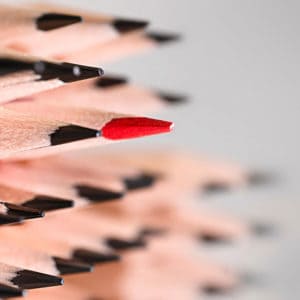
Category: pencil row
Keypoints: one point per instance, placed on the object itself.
(66, 243)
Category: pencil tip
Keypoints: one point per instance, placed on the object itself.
(151, 231)
(71, 266)
(26, 279)
(95, 194)
(52, 21)
(10, 292)
(163, 38)
(121, 244)
(111, 81)
(257, 178)
(6, 219)
(213, 290)
(213, 239)
(126, 25)
(172, 98)
(66, 72)
(92, 257)
(140, 181)
(23, 211)
(71, 133)
(47, 203)
(214, 187)
(134, 127)
(262, 229)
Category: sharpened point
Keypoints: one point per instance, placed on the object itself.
(121, 244)
(257, 178)
(23, 211)
(213, 239)
(162, 38)
(52, 21)
(110, 81)
(140, 181)
(93, 257)
(152, 232)
(95, 194)
(262, 229)
(213, 290)
(214, 188)
(26, 279)
(134, 127)
(6, 219)
(126, 25)
(10, 292)
(71, 266)
(65, 72)
(72, 133)
(47, 203)
(171, 99)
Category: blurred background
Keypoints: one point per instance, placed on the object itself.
(239, 63)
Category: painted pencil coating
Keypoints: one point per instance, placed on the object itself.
(126, 128)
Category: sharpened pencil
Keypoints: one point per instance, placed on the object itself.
(26, 199)
(111, 93)
(12, 253)
(123, 47)
(26, 279)
(22, 75)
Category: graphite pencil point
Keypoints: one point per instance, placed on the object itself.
(47, 203)
(121, 244)
(126, 25)
(52, 21)
(93, 257)
(110, 81)
(163, 38)
(71, 266)
(26, 279)
(95, 194)
(172, 98)
(140, 181)
(66, 72)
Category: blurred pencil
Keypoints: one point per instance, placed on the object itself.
(92, 28)
(14, 254)
(111, 93)
(16, 21)
(77, 186)
(28, 200)
(123, 47)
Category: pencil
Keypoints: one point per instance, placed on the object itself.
(57, 242)
(92, 29)
(81, 189)
(112, 93)
(23, 132)
(22, 75)
(13, 254)
(123, 47)
(22, 198)
(26, 279)
(16, 21)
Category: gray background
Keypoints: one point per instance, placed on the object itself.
(239, 62)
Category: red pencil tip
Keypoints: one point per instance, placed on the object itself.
(126, 128)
